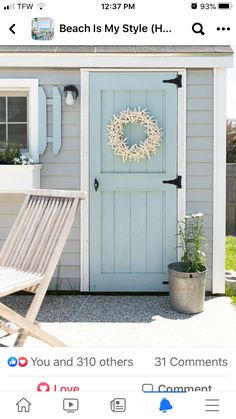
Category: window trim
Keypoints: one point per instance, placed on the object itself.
(31, 87)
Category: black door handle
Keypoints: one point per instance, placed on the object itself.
(96, 184)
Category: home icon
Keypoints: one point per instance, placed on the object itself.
(23, 405)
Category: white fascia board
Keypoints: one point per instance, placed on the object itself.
(68, 60)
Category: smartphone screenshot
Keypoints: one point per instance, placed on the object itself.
(118, 209)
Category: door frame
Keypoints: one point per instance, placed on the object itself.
(84, 159)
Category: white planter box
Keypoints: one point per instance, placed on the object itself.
(18, 178)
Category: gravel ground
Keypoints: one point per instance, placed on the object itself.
(88, 320)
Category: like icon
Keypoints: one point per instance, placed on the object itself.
(12, 361)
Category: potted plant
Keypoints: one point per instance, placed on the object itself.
(187, 279)
(18, 172)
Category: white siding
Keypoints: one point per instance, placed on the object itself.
(62, 170)
(200, 151)
(59, 172)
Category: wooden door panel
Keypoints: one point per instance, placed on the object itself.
(133, 215)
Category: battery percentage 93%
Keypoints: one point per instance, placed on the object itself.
(208, 6)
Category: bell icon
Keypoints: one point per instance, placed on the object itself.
(165, 405)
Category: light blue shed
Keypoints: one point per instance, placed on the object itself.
(125, 234)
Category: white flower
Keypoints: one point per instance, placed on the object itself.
(201, 253)
(33, 160)
(198, 215)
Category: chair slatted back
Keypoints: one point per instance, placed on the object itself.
(40, 231)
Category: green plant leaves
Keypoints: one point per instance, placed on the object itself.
(192, 241)
(8, 155)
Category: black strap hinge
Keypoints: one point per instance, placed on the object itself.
(177, 81)
(177, 182)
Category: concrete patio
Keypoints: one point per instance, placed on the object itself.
(108, 320)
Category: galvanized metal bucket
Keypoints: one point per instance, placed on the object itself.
(186, 290)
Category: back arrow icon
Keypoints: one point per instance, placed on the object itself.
(11, 28)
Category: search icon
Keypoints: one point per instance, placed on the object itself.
(198, 28)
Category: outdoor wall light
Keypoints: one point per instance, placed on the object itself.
(71, 93)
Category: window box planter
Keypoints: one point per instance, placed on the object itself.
(18, 178)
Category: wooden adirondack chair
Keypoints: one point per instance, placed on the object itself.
(31, 253)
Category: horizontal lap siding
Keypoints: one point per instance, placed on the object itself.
(62, 171)
(199, 166)
(58, 172)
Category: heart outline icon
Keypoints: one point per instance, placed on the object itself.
(43, 387)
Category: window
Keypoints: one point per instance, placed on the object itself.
(19, 114)
(13, 119)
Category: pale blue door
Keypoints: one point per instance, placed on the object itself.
(133, 215)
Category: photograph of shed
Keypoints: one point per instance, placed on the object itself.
(57, 103)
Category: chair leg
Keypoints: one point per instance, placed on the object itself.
(22, 335)
(28, 326)
(32, 312)
(20, 340)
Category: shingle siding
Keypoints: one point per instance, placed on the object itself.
(106, 49)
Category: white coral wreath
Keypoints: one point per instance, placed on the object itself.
(119, 144)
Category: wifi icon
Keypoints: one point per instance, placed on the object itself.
(41, 5)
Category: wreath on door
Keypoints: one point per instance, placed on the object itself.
(145, 149)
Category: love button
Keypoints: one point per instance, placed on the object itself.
(43, 387)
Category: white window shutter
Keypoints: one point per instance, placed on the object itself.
(42, 124)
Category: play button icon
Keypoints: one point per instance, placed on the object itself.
(70, 405)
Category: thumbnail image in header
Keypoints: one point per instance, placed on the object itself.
(42, 29)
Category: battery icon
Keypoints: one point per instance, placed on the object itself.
(225, 6)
